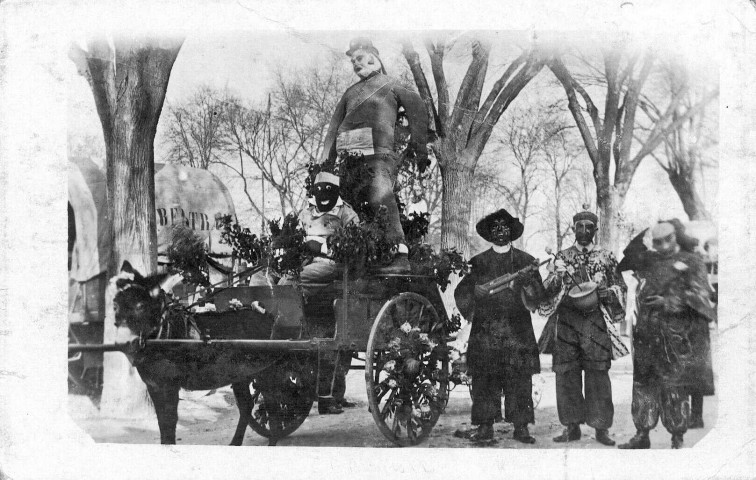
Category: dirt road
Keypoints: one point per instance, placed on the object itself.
(210, 420)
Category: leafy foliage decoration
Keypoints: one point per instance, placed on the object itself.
(187, 253)
(283, 251)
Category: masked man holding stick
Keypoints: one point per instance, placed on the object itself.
(587, 296)
(362, 133)
(502, 353)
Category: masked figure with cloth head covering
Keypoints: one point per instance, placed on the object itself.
(672, 352)
(584, 341)
(362, 131)
(502, 351)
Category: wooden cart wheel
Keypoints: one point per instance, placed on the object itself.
(292, 413)
(407, 369)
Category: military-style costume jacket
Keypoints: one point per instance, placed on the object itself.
(588, 329)
(365, 117)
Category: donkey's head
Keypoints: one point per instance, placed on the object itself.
(138, 303)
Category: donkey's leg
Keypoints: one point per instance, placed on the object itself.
(165, 398)
(275, 417)
(245, 403)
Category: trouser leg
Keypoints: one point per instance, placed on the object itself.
(696, 405)
(570, 401)
(518, 400)
(598, 399)
(372, 180)
(320, 270)
(327, 382)
(486, 403)
(342, 369)
(675, 409)
(645, 407)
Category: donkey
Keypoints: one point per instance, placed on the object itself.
(141, 313)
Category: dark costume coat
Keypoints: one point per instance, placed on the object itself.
(372, 103)
(671, 341)
(501, 336)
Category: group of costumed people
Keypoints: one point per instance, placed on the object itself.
(584, 298)
(583, 295)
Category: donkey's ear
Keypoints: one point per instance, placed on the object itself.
(155, 282)
(128, 269)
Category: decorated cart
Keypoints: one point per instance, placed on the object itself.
(394, 324)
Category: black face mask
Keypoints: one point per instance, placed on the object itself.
(326, 195)
(501, 234)
(584, 232)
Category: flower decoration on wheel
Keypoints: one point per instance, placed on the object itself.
(410, 378)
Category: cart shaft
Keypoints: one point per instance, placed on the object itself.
(249, 345)
(108, 347)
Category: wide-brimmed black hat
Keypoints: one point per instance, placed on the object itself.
(483, 227)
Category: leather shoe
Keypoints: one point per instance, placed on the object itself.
(602, 436)
(329, 408)
(521, 434)
(696, 422)
(399, 265)
(483, 434)
(346, 404)
(570, 434)
(677, 440)
(639, 442)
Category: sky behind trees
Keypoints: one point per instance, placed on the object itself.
(246, 63)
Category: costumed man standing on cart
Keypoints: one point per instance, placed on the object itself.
(584, 337)
(362, 133)
(326, 214)
(671, 345)
(502, 351)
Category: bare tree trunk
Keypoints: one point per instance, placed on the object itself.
(464, 130)
(691, 200)
(558, 216)
(457, 180)
(609, 202)
(129, 83)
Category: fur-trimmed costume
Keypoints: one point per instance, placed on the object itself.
(672, 351)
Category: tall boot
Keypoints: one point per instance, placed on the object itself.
(639, 442)
(696, 411)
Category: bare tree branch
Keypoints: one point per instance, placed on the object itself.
(436, 54)
(569, 84)
(468, 97)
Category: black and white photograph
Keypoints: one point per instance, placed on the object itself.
(337, 237)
